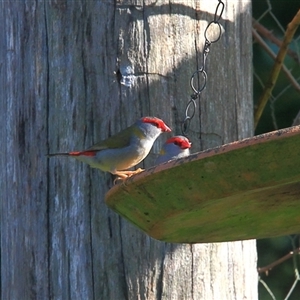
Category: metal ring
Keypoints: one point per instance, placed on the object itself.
(188, 107)
(185, 125)
(192, 81)
(220, 32)
(217, 8)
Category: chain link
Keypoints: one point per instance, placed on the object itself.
(201, 72)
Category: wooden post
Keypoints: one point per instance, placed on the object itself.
(75, 72)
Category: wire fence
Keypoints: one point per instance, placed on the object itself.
(285, 284)
(276, 64)
(277, 105)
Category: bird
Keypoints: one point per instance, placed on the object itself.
(123, 150)
(175, 147)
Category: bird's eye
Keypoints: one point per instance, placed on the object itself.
(176, 143)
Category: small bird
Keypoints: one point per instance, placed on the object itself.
(124, 150)
(175, 147)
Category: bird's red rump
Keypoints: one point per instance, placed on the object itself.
(86, 153)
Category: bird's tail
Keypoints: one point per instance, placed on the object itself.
(74, 153)
(58, 154)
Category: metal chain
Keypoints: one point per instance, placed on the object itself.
(191, 105)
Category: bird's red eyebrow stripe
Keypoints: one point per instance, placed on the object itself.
(86, 153)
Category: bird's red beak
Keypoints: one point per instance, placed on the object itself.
(166, 129)
(186, 145)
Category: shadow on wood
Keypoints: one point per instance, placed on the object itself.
(243, 190)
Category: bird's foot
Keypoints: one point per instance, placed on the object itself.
(130, 173)
(123, 175)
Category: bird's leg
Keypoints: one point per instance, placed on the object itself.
(122, 175)
(126, 174)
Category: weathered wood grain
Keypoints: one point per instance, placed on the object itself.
(75, 72)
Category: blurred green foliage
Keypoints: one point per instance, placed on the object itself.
(280, 112)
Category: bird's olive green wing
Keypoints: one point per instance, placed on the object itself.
(119, 140)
